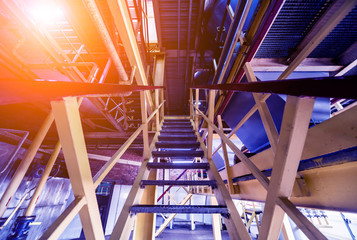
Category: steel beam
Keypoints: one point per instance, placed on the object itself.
(292, 137)
(307, 65)
(69, 127)
(339, 87)
(122, 21)
(29, 91)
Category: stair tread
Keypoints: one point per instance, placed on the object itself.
(177, 144)
(179, 134)
(180, 182)
(203, 209)
(178, 153)
(175, 137)
(177, 126)
(177, 130)
(178, 165)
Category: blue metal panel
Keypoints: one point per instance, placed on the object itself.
(252, 133)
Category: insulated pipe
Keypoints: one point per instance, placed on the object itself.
(25, 164)
(98, 20)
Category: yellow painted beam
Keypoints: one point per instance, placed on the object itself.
(121, 16)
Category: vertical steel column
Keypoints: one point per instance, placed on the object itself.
(216, 218)
(25, 164)
(145, 223)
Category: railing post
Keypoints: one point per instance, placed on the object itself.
(144, 122)
(162, 100)
(196, 103)
(211, 97)
(191, 101)
(157, 115)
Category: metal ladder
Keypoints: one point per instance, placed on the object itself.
(178, 141)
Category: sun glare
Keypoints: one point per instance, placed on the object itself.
(46, 13)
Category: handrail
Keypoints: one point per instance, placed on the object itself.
(304, 224)
(101, 174)
(255, 171)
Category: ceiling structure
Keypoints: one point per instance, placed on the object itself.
(199, 42)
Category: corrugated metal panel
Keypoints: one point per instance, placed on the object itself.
(343, 36)
(294, 21)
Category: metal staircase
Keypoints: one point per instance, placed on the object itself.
(179, 147)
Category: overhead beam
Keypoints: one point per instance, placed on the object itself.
(122, 20)
(339, 87)
(30, 91)
(307, 65)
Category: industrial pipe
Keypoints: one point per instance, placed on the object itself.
(98, 20)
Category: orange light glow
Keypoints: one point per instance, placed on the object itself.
(46, 12)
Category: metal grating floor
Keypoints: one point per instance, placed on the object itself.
(291, 25)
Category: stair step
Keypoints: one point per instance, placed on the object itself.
(177, 144)
(178, 166)
(211, 183)
(179, 125)
(175, 137)
(173, 131)
(178, 154)
(180, 209)
(177, 120)
(177, 128)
